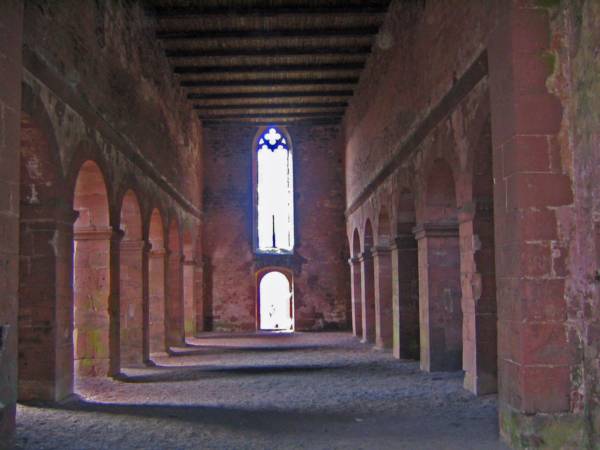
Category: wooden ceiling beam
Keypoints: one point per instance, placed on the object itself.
(290, 115)
(232, 33)
(367, 8)
(238, 95)
(270, 51)
(270, 82)
(295, 105)
(267, 68)
(260, 122)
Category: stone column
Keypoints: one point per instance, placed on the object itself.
(157, 341)
(198, 295)
(382, 264)
(478, 301)
(355, 289)
(439, 297)
(189, 300)
(46, 302)
(11, 48)
(174, 300)
(405, 296)
(132, 303)
(95, 312)
(367, 288)
(538, 357)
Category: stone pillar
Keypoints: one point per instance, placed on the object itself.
(536, 361)
(189, 298)
(157, 341)
(95, 313)
(478, 301)
(405, 297)
(367, 289)
(382, 264)
(355, 289)
(198, 295)
(11, 26)
(439, 297)
(46, 302)
(132, 303)
(174, 300)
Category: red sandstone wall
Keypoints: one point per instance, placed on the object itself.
(10, 102)
(320, 269)
(577, 25)
(420, 52)
(102, 59)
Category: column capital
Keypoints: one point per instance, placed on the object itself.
(156, 253)
(353, 260)
(93, 233)
(438, 229)
(380, 250)
(365, 256)
(403, 241)
(133, 245)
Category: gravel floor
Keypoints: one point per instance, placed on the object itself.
(305, 391)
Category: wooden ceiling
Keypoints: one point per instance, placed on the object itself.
(259, 61)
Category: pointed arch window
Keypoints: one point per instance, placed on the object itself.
(274, 192)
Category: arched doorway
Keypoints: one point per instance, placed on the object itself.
(275, 302)
(439, 274)
(91, 275)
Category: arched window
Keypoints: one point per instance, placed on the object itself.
(274, 192)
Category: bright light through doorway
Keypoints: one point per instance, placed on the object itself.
(276, 302)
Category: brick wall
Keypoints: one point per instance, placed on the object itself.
(321, 288)
(10, 105)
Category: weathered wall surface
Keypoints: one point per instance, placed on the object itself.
(422, 49)
(318, 264)
(11, 21)
(108, 68)
(577, 25)
(97, 88)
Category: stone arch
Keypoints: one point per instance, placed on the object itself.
(281, 308)
(440, 193)
(439, 273)
(96, 333)
(156, 284)
(131, 289)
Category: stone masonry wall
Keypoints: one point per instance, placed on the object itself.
(11, 21)
(321, 289)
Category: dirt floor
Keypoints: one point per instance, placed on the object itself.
(305, 391)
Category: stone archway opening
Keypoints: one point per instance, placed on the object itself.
(91, 275)
(275, 301)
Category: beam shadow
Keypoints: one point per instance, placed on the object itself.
(271, 421)
(192, 373)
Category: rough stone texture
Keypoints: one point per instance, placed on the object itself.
(302, 391)
(320, 270)
(11, 22)
(100, 89)
(422, 105)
